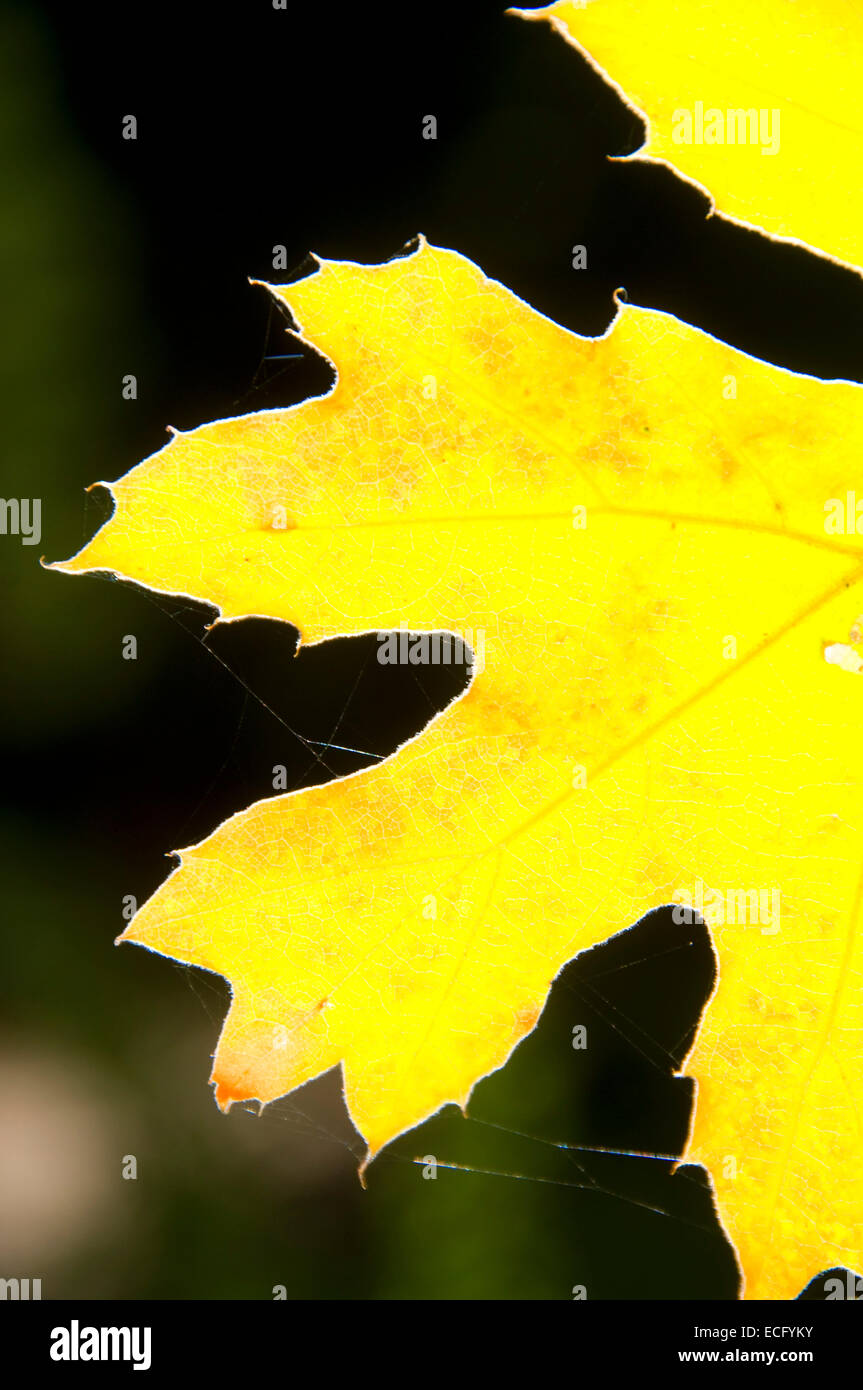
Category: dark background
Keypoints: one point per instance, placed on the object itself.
(303, 128)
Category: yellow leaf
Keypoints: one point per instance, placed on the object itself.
(655, 566)
(693, 68)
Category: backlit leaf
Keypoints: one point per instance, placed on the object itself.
(637, 535)
(756, 102)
